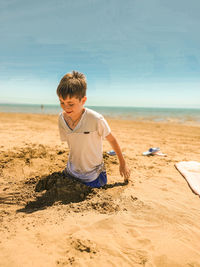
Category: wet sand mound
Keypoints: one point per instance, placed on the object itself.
(31, 160)
(36, 182)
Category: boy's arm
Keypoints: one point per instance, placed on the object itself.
(123, 169)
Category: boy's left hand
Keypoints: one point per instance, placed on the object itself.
(124, 172)
(123, 169)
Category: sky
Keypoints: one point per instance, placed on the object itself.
(134, 52)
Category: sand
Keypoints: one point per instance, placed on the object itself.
(48, 220)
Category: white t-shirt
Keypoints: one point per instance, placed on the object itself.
(85, 144)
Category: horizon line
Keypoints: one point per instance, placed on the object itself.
(57, 105)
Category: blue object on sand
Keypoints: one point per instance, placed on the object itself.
(111, 153)
(151, 151)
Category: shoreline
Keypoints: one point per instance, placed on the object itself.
(178, 121)
(179, 115)
(171, 121)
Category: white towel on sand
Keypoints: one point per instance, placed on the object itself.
(191, 172)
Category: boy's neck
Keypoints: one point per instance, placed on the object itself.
(72, 122)
(78, 116)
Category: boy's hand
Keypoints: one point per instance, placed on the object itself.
(123, 169)
(124, 172)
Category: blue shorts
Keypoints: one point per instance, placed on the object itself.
(99, 182)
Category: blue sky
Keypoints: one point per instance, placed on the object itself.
(133, 52)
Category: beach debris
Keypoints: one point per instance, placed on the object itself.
(151, 151)
(111, 153)
(160, 154)
(154, 151)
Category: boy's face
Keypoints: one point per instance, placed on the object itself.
(72, 106)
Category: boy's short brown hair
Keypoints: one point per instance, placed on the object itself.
(72, 85)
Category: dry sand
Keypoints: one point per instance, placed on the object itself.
(47, 220)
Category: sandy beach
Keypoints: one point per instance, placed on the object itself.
(48, 220)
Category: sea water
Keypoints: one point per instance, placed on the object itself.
(132, 113)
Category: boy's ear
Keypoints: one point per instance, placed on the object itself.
(83, 100)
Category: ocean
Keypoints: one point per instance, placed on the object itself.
(132, 113)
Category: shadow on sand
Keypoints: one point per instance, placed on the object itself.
(57, 187)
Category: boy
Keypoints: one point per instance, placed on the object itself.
(84, 129)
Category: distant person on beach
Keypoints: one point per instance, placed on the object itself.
(83, 129)
(42, 107)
